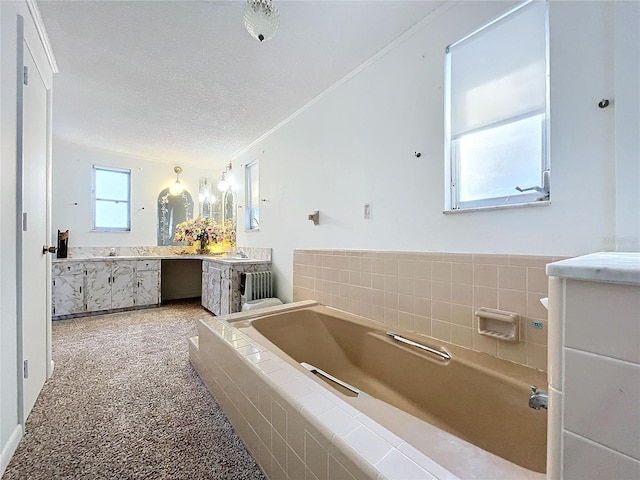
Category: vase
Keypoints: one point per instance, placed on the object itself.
(202, 247)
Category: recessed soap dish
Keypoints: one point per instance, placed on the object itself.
(499, 324)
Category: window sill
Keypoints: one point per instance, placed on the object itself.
(541, 203)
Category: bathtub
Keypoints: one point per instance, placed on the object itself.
(367, 403)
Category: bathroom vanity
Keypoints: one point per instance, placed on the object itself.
(98, 284)
(86, 285)
(221, 282)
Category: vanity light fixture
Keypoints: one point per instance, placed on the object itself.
(261, 19)
(224, 183)
(176, 188)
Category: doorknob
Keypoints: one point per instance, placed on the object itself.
(46, 249)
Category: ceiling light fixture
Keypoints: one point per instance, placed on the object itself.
(261, 19)
(224, 183)
(176, 188)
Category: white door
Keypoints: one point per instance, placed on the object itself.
(35, 263)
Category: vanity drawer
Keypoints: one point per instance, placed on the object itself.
(67, 268)
(142, 265)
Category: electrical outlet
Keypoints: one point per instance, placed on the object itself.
(367, 211)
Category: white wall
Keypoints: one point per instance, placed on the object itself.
(357, 143)
(72, 184)
(627, 118)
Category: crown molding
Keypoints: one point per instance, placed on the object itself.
(42, 34)
(429, 19)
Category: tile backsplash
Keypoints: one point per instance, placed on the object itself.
(143, 251)
(433, 293)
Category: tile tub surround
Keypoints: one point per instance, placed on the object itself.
(433, 293)
(298, 428)
(594, 367)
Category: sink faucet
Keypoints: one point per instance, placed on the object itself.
(538, 398)
(241, 254)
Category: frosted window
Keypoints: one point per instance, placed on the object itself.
(496, 102)
(111, 199)
(492, 167)
(252, 196)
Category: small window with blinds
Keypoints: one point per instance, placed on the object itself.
(496, 109)
(252, 196)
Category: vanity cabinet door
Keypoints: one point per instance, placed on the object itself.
(109, 285)
(147, 287)
(205, 299)
(98, 286)
(122, 282)
(225, 296)
(211, 275)
(67, 292)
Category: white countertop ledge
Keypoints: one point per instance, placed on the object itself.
(614, 267)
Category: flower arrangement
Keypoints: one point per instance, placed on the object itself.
(206, 232)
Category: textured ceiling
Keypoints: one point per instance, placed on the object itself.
(181, 81)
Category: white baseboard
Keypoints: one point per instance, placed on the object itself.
(9, 448)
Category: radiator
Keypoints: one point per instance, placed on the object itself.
(257, 285)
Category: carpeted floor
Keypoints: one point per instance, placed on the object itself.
(125, 403)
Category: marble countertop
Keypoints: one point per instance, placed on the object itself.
(223, 260)
(615, 267)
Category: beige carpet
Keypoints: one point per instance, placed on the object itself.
(125, 403)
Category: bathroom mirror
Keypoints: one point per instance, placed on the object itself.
(209, 200)
(206, 197)
(229, 206)
(214, 204)
(172, 210)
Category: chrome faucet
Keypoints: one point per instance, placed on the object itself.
(241, 254)
(538, 398)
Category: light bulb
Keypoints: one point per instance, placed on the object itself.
(176, 188)
(223, 185)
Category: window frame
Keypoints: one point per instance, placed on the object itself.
(95, 199)
(249, 218)
(453, 204)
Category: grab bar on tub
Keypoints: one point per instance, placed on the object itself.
(399, 338)
(328, 376)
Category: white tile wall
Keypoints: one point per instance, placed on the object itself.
(554, 434)
(601, 325)
(556, 332)
(585, 459)
(594, 375)
(602, 400)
